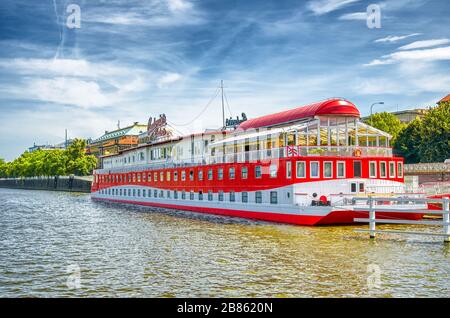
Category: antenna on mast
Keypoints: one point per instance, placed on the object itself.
(223, 105)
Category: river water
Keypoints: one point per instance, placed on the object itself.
(55, 244)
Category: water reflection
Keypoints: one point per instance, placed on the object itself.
(135, 251)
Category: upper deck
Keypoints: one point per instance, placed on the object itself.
(327, 129)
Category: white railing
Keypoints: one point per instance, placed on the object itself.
(374, 208)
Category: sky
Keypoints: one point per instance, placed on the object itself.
(129, 60)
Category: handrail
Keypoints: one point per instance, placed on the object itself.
(373, 208)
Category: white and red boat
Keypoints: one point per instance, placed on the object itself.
(301, 166)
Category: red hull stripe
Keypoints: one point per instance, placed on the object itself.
(336, 217)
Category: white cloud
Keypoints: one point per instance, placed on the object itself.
(354, 16)
(168, 79)
(427, 55)
(395, 38)
(68, 91)
(152, 13)
(320, 7)
(424, 44)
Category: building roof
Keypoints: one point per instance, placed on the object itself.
(333, 106)
(445, 99)
(133, 130)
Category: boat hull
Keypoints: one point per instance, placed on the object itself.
(307, 216)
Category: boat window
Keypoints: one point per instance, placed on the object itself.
(273, 197)
(341, 169)
(357, 169)
(353, 187)
(288, 169)
(258, 172)
(372, 169)
(392, 169)
(258, 197)
(382, 169)
(244, 172)
(301, 169)
(314, 169)
(400, 169)
(244, 197)
(232, 173)
(328, 169)
(273, 171)
(361, 187)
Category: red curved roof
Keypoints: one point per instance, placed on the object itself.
(334, 106)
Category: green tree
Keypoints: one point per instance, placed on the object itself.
(73, 160)
(386, 122)
(408, 141)
(435, 132)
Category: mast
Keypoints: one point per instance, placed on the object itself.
(223, 106)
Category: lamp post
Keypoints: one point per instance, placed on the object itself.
(371, 108)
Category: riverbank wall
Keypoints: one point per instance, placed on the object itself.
(56, 183)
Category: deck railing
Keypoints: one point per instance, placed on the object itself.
(374, 208)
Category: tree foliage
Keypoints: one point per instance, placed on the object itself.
(73, 160)
(386, 122)
(426, 140)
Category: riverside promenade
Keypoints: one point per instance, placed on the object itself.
(55, 183)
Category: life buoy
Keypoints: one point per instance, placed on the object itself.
(357, 153)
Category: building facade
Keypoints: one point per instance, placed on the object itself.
(114, 141)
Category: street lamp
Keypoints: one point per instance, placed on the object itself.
(371, 108)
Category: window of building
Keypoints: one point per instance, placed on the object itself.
(232, 196)
(391, 169)
(200, 195)
(220, 195)
(191, 195)
(400, 169)
(175, 194)
(220, 174)
(200, 175)
(258, 172)
(372, 169)
(134, 192)
(161, 176)
(155, 177)
(301, 169)
(183, 195)
(149, 177)
(244, 197)
(232, 173)
(273, 197)
(175, 176)
(328, 169)
(183, 175)
(382, 169)
(210, 195)
(139, 177)
(273, 170)
(258, 197)
(191, 175)
(353, 187)
(139, 192)
(314, 169)
(168, 194)
(341, 169)
(155, 193)
(168, 175)
(361, 187)
(149, 193)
